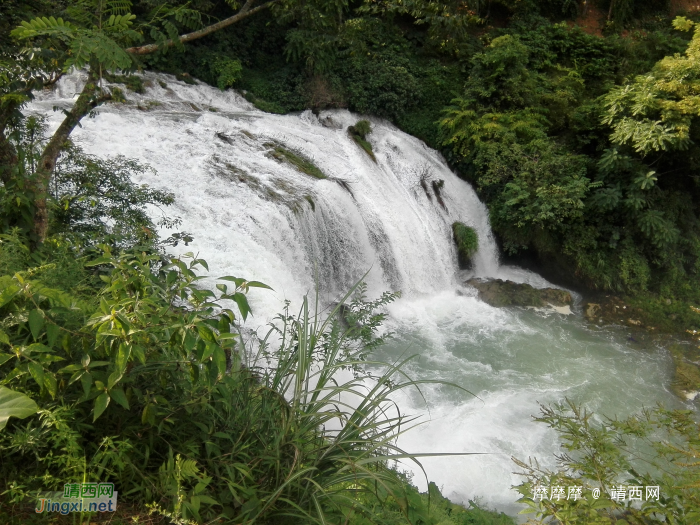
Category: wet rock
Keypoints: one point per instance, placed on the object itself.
(497, 292)
(329, 122)
(592, 311)
(610, 309)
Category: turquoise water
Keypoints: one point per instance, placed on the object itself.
(511, 360)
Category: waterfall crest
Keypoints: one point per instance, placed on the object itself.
(254, 214)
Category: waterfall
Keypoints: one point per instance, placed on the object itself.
(259, 217)
(255, 214)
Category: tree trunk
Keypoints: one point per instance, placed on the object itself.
(87, 101)
(8, 159)
(8, 153)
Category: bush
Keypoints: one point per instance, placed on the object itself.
(467, 243)
(654, 449)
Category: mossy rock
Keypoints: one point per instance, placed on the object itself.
(186, 78)
(358, 133)
(500, 293)
(467, 242)
(132, 82)
(300, 162)
(686, 381)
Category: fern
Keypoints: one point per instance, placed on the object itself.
(43, 26)
(106, 51)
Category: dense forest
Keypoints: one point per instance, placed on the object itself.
(576, 122)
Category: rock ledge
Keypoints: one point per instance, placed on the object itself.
(497, 292)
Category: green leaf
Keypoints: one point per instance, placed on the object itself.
(220, 359)
(256, 284)
(52, 331)
(38, 347)
(139, 353)
(36, 323)
(101, 404)
(4, 338)
(205, 333)
(86, 381)
(4, 358)
(8, 289)
(123, 355)
(37, 372)
(236, 280)
(50, 384)
(15, 404)
(242, 303)
(119, 396)
(113, 379)
(149, 414)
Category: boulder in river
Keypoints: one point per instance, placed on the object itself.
(497, 292)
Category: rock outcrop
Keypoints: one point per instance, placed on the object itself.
(497, 292)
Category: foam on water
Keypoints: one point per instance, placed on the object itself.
(257, 217)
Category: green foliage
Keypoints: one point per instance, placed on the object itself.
(654, 448)
(97, 200)
(14, 404)
(467, 242)
(154, 390)
(101, 43)
(227, 71)
(499, 76)
(655, 112)
(362, 128)
(430, 508)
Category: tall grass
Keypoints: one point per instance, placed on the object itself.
(341, 426)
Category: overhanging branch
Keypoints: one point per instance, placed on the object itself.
(245, 12)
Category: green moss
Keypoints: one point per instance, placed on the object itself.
(132, 82)
(301, 163)
(186, 78)
(311, 202)
(467, 243)
(359, 132)
(264, 105)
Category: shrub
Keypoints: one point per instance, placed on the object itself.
(467, 243)
(655, 448)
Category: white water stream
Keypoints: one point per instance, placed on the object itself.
(255, 216)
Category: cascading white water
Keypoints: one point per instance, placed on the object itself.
(256, 216)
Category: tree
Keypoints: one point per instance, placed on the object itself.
(99, 36)
(607, 460)
(656, 111)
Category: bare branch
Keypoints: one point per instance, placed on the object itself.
(245, 12)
